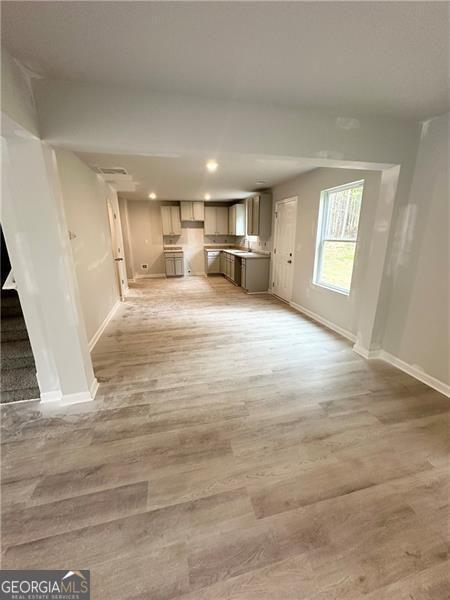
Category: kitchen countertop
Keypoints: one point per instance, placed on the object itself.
(236, 252)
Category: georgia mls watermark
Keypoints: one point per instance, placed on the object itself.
(45, 585)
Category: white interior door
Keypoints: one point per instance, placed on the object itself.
(284, 248)
(117, 252)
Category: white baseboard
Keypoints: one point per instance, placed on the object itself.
(55, 396)
(151, 276)
(102, 327)
(412, 370)
(347, 334)
(94, 388)
(365, 353)
(415, 372)
(62, 399)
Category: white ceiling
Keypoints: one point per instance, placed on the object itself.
(387, 58)
(186, 177)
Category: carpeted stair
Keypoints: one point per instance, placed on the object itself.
(18, 370)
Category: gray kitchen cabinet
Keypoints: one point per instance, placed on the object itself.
(228, 265)
(213, 262)
(179, 268)
(259, 215)
(171, 222)
(243, 274)
(216, 220)
(223, 262)
(235, 270)
(198, 209)
(255, 274)
(174, 264)
(236, 219)
(192, 211)
(170, 266)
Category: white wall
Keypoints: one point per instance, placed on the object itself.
(17, 97)
(146, 239)
(192, 241)
(136, 121)
(335, 307)
(85, 195)
(417, 325)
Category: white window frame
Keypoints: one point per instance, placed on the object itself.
(320, 238)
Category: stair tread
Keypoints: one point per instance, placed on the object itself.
(15, 348)
(10, 300)
(13, 322)
(18, 379)
(17, 362)
(31, 393)
(18, 369)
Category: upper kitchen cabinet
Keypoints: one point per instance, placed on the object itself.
(171, 223)
(236, 219)
(192, 211)
(259, 215)
(216, 220)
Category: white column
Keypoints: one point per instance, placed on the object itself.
(373, 294)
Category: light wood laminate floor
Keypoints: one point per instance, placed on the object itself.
(235, 451)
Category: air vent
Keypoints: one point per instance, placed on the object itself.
(261, 182)
(111, 170)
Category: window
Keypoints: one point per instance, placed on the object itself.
(337, 234)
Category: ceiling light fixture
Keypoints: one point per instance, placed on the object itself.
(152, 196)
(212, 165)
(207, 196)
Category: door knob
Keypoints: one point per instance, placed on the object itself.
(289, 261)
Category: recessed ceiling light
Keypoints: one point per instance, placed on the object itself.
(207, 196)
(212, 165)
(152, 196)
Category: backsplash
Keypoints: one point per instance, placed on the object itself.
(220, 239)
(256, 244)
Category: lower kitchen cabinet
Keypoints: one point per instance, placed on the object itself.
(250, 273)
(231, 267)
(213, 265)
(174, 264)
(255, 274)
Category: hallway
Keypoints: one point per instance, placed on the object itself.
(235, 450)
